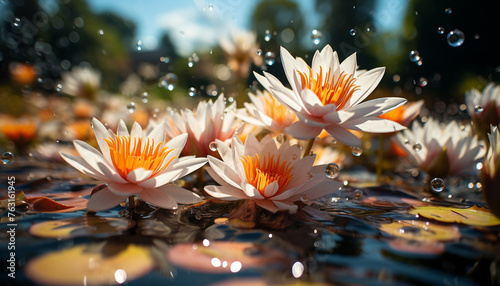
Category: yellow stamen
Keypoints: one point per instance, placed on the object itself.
(274, 109)
(127, 157)
(261, 174)
(330, 90)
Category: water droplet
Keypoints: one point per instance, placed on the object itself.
(210, 7)
(423, 82)
(437, 185)
(440, 30)
(414, 56)
(304, 199)
(139, 45)
(358, 194)
(145, 97)
(165, 60)
(17, 23)
(131, 107)
(478, 109)
(410, 230)
(192, 91)
(212, 146)
(7, 157)
(332, 170)
(267, 36)
(448, 10)
(352, 32)
(59, 87)
(212, 90)
(101, 32)
(479, 166)
(455, 38)
(309, 176)
(169, 81)
(259, 52)
(417, 147)
(407, 141)
(281, 138)
(270, 58)
(356, 151)
(476, 36)
(316, 37)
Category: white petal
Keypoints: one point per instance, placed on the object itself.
(177, 143)
(343, 135)
(251, 191)
(136, 131)
(159, 198)
(271, 189)
(160, 180)
(223, 171)
(349, 65)
(100, 133)
(124, 189)
(228, 193)
(288, 63)
(268, 205)
(138, 175)
(367, 82)
(291, 208)
(103, 200)
(180, 195)
(373, 125)
(312, 103)
(373, 107)
(188, 166)
(122, 129)
(300, 130)
(158, 134)
(82, 166)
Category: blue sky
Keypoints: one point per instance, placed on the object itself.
(195, 25)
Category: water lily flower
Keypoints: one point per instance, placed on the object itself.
(81, 82)
(274, 178)
(484, 108)
(135, 163)
(329, 96)
(208, 122)
(267, 113)
(241, 51)
(441, 149)
(490, 174)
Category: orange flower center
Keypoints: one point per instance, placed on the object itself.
(127, 157)
(395, 114)
(262, 173)
(274, 109)
(330, 90)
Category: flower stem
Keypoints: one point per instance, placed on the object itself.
(380, 156)
(131, 203)
(309, 147)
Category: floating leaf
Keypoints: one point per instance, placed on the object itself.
(478, 216)
(392, 202)
(223, 257)
(91, 264)
(81, 226)
(421, 231)
(57, 202)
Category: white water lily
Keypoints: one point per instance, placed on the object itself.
(274, 178)
(441, 149)
(484, 107)
(266, 112)
(241, 51)
(81, 82)
(490, 175)
(135, 163)
(208, 122)
(329, 96)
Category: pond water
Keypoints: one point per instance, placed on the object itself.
(272, 142)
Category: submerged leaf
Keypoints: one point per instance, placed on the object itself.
(81, 226)
(90, 264)
(478, 216)
(421, 231)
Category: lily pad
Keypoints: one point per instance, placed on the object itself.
(477, 216)
(420, 230)
(91, 264)
(57, 202)
(81, 226)
(223, 257)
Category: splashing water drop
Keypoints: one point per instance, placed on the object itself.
(7, 157)
(437, 185)
(212, 146)
(332, 170)
(478, 109)
(169, 81)
(270, 58)
(192, 91)
(281, 138)
(455, 38)
(210, 7)
(448, 11)
(414, 56)
(101, 32)
(259, 52)
(352, 32)
(145, 97)
(309, 176)
(267, 36)
(423, 82)
(139, 45)
(358, 194)
(440, 30)
(417, 147)
(212, 90)
(59, 87)
(316, 37)
(356, 151)
(131, 107)
(17, 23)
